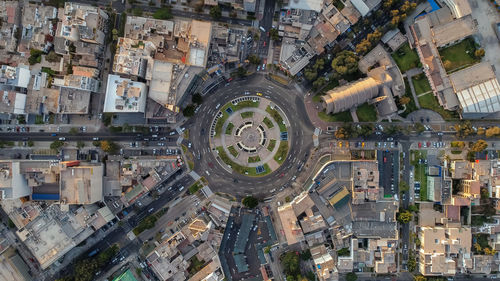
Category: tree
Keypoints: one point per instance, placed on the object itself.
(250, 202)
(477, 247)
(479, 53)
(413, 208)
(346, 62)
(109, 147)
(479, 146)
(115, 34)
(290, 262)
(188, 111)
(342, 133)
(254, 59)
(351, 276)
(343, 252)
(492, 131)
(420, 278)
(403, 186)
(310, 74)
(215, 12)
(404, 100)
(80, 144)
(56, 145)
(197, 98)
(30, 143)
(53, 57)
(488, 251)
(241, 72)
(163, 14)
(405, 217)
(319, 82)
(96, 143)
(73, 131)
(412, 263)
(419, 127)
(35, 56)
(273, 32)
(480, 131)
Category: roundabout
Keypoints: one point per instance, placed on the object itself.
(250, 136)
(213, 131)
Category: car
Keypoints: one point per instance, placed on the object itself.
(259, 94)
(62, 139)
(263, 66)
(172, 133)
(189, 145)
(181, 188)
(53, 134)
(151, 210)
(217, 106)
(258, 68)
(95, 138)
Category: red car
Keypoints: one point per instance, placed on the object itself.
(419, 145)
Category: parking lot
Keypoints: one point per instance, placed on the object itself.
(388, 165)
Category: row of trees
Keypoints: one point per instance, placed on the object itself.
(197, 99)
(369, 42)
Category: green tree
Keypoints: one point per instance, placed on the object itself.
(351, 276)
(345, 63)
(53, 57)
(343, 252)
(250, 202)
(215, 12)
(241, 72)
(479, 146)
(403, 186)
(73, 131)
(405, 217)
(31, 143)
(56, 145)
(419, 128)
(35, 56)
(319, 82)
(96, 143)
(310, 74)
(291, 264)
(80, 144)
(404, 100)
(413, 208)
(188, 111)
(197, 98)
(254, 59)
(273, 33)
(163, 14)
(412, 263)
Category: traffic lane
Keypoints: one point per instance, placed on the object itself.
(173, 214)
(219, 175)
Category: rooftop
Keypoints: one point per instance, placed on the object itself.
(124, 95)
(74, 101)
(82, 184)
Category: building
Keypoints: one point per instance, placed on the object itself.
(38, 28)
(325, 266)
(124, 95)
(9, 17)
(82, 184)
(14, 78)
(78, 82)
(478, 90)
(133, 58)
(435, 30)
(81, 22)
(384, 82)
(365, 7)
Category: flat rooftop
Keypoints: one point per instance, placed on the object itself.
(82, 184)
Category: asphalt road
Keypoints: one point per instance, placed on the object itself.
(300, 132)
(266, 22)
(119, 234)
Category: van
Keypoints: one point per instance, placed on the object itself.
(172, 133)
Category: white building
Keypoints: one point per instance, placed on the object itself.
(124, 95)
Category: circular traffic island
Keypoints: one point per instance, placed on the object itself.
(249, 135)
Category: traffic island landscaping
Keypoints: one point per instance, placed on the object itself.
(252, 144)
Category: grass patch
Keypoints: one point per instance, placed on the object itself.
(456, 152)
(272, 144)
(253, 159)
(229, 128)
(338, 4)
(337, 117)
(184, 148)
(421, 84)
(429, 101)
(317, 97)
(233, 151)
(406, 58)
(268, 122)
(282, 152)
(411, 106)
(147, 223)
(277, 117)
(248, 114)
(195, 187)
(238, 168)
(459, 55)
(190, 164)
(420, 175)
(366, 113)
(225, 115)
(244, 104)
